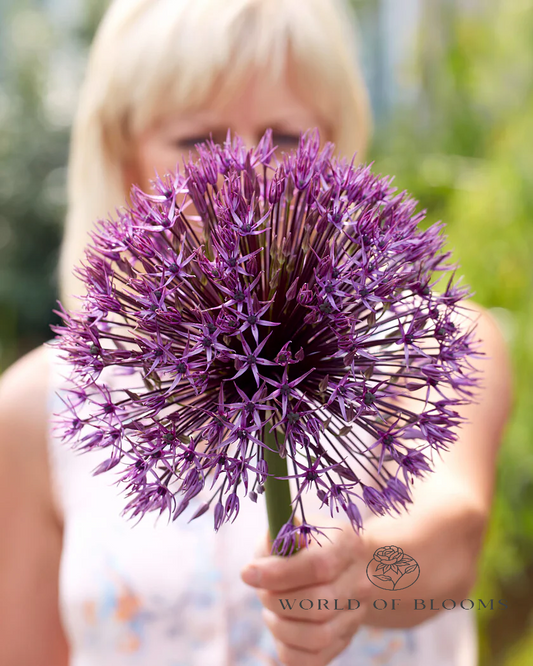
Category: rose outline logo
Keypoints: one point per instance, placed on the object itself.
(392, 569)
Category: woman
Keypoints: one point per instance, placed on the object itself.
(78, 584)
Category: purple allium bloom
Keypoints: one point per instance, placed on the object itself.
(305, 314)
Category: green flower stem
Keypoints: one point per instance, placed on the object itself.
(277, 491)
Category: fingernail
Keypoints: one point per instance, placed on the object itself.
(251, 575)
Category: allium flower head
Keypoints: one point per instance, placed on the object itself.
(289, 307)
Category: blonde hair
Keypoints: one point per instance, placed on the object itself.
(151, 56)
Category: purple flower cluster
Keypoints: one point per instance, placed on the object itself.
(262, 304)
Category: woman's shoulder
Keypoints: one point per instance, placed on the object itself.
(24, 390)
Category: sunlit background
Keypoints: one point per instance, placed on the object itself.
(452, 89)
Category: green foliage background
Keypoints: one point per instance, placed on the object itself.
(464, 149)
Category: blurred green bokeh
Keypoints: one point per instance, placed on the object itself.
(41, 61)
(464, 148)
(32, 160)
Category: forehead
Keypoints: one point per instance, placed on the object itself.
(256, 101)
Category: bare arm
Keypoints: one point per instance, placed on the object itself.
(445, 527)
(31, 633)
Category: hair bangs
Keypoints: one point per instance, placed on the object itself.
(196, 59)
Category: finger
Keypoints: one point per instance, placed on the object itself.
(316, 603)
(312, 636)
(290, 656)
(309, 566)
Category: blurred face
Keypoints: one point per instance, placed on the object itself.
(259, 105)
